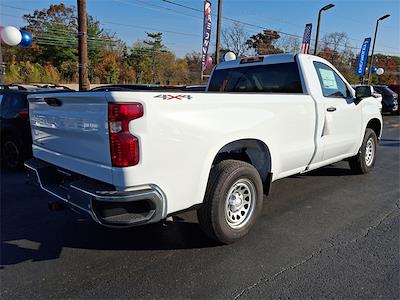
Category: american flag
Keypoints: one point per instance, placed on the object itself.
(305, 46)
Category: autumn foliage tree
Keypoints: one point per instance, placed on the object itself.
(55, 32)
(264, 42)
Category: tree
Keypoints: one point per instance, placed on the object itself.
(193, 62)
(288, 44)
(69, 71)
(107, 71)
(127, 73)
(55, 28)
(155, 44)
(264, 42)
(391, 65)
(332, 43)
(140, 59)
(13, 71)
(56, 31)
(50, 74)
(234, 38)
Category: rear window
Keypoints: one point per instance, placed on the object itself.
(273, 78)
(17, 100)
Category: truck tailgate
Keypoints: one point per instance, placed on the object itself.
(70, 130)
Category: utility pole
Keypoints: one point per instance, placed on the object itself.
(84, 83)
(326, 7)
(373, 48)
(218, 43)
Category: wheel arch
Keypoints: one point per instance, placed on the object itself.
(252, 151)
(376, 125)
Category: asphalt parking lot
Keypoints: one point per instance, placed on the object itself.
(324, 234)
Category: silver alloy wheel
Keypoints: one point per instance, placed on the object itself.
(240, 203)
(369, 152)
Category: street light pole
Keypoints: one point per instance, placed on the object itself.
(218, 42)
(373, 47)
(84, 84)
(326, 7)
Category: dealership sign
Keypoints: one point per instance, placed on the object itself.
(206, 34)
(363, 57)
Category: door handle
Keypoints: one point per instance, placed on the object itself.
(331, 109)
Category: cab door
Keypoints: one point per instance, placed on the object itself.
(342, 124)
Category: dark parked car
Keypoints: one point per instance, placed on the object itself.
(135, 87)
(15, 132)
(195, 88)
(395, 88)
(389, 99)
(149, 87)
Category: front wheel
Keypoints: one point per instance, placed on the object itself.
(233, 200)
(364, 161)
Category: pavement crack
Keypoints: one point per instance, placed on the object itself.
(265, 279)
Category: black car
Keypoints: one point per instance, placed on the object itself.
(149, 87)
(389, 99)
(15, 132)
(135, 87)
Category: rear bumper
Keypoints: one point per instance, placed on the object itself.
(99, 200)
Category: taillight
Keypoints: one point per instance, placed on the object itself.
(23, 113)
(123, 145)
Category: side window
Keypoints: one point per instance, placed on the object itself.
(331, 84)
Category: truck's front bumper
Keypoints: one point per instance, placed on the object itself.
(97, 199)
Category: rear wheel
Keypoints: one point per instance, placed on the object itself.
(364, 161)
(12, 153)
(232, 202)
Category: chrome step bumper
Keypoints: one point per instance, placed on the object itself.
(97, 199)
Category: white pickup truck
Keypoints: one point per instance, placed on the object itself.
(130, 157)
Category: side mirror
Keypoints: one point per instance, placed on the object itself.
(362, 91)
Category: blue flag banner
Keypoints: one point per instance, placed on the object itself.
(363, 57)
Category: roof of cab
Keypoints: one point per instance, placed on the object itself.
(268, 59)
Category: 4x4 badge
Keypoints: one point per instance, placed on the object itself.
(173, 97)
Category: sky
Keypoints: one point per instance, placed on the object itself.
(182, 27)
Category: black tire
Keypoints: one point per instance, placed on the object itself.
(360, 163)
(227, 177)
(12, 153)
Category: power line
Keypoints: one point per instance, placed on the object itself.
(242, 22)
(228, 18)
(121, 24)
(157, 7)
(58, 30)
(69, 45)
(150, 28)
